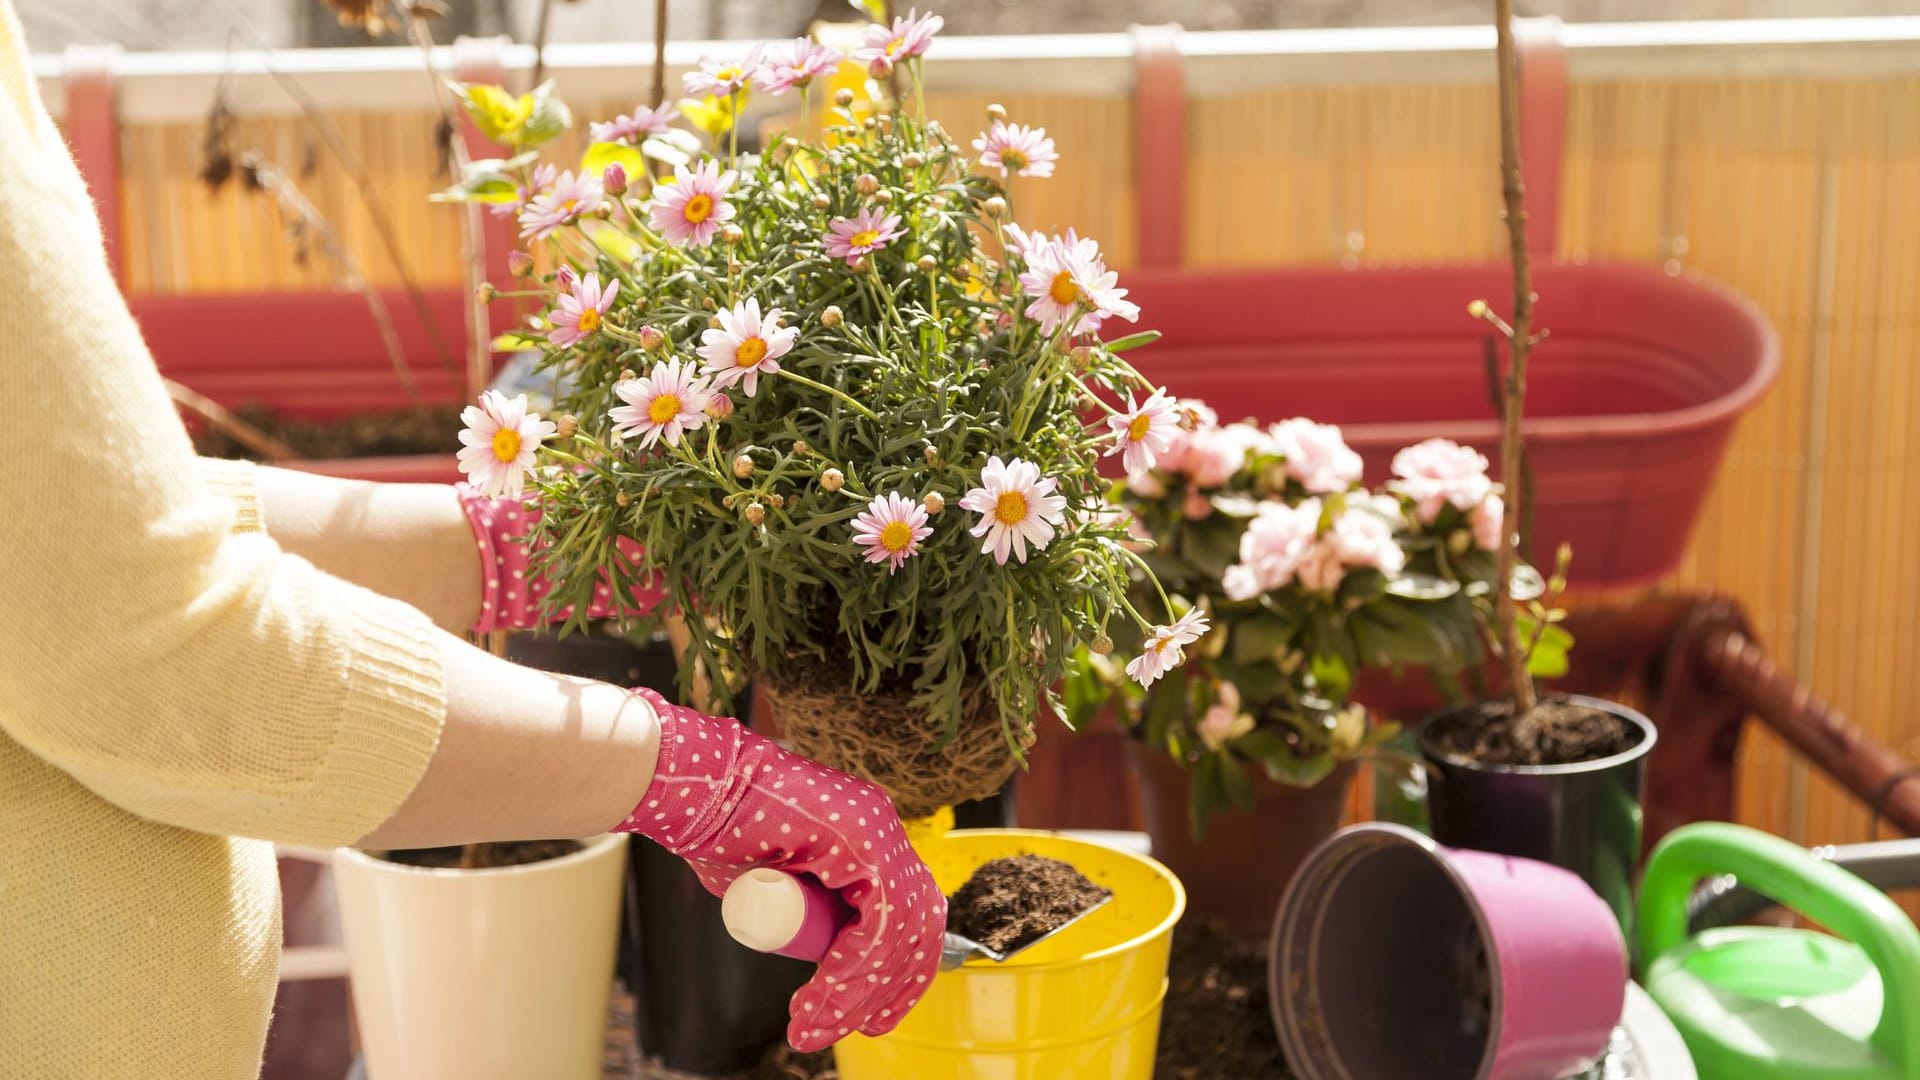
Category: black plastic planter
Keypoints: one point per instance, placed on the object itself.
(702, 1003)
(1584, 817)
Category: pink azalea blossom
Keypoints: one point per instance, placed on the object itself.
(570, 199)
(1143, 430)
(635, 128)
(1068, 280)
(1486, 520)
(908, 37)
(745, 345)
(723, 78)
(1317, 456)
(807, 61)
(868, 230)
(891, 529)
(1362, 538)
(1017, 506)
(1277, 541)
(692, 209)
(1016, 150)
(499, 441)
(1215, 452)
(578, 314)
(1224, 720)
(666, 404)
(1437, 472)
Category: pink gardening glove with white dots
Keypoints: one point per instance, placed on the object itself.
(511, 594)
(727, 800)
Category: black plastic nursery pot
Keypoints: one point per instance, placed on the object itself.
(1584, 816)
(702, 1003)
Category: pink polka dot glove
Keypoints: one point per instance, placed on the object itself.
(512, 596)
(727, 800)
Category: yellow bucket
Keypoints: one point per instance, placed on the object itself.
(1085, 1004)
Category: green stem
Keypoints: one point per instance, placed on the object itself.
(825, 389)
(733, 128)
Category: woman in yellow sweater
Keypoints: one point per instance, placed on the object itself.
(197, 658)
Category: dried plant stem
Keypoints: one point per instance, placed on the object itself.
(374, 203)
(1519, 343)
(473, 244)
(659, 93)
(268, 447)
(540, 41)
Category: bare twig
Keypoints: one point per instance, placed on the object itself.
(364, 186)
(659, 53)
(540, 41)
(1519, 343)
(216, 414)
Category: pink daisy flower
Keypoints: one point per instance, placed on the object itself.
(1016, 149)
(807, 61)
(578, 314)
(1068, 278)
(691, 209)
(1166, 647)
(499, 441)
(570, 199)
(908, 37)
(891, 529)
(1017, 506)
(1144, 430)
(633, 129)
(543, 177)
(745, 346)
(669, 402)
(723, 78)
(868, 230)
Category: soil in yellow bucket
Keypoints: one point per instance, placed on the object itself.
(1010, 902)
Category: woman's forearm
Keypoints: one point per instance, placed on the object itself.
(407, 541)
(526, 755)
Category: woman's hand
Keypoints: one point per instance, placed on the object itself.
(512, 596)
(727, 800)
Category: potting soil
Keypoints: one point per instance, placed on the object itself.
(1568, 733)
(422, 429)
(483, 856)
(1010, 902)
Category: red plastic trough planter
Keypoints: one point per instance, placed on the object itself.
(1631, 400)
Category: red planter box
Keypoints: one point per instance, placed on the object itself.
(1630, 405)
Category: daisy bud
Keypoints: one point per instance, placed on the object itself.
(996, 111)
(832, 317)
(565, 277)
(605, 211)
(914, 160)
(636, 208)
(789, 144)
(756, 513)
(884, 198)
(614, 179)
(843, 97)
(734, 266)
(799, 446)
(1103, 644)
(620, 498)
(484, 292)
(931, 453)
(720, 406)
(934, 128)
(566, 425)
(651, 338)
(627, 375)
(820, 201)
(995, 207)
(731, 234)
(778, 500)
(833, 480)
(879, 68)
(1477, 309)
(713, 322)
(709, 303)
(934, 502)
(1082, 357)
(869, 124)
(743, 466)
(866, 183)
(928, 264)
(884, 121)
(727, 502)
(519, 264)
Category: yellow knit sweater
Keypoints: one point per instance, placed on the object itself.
(169, 679)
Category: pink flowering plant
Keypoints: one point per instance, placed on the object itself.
(1307, 576)
(854, 416)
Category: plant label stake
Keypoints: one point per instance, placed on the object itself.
(793, 915)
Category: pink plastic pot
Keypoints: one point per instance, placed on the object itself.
(1394, 957)
(1631, 400)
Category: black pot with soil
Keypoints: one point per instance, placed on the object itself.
(1571, 798)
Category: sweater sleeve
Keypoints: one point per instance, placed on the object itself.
(175, 663)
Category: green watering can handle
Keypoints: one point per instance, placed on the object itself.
(1817, 890)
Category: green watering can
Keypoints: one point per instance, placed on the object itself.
(1766, 1003)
